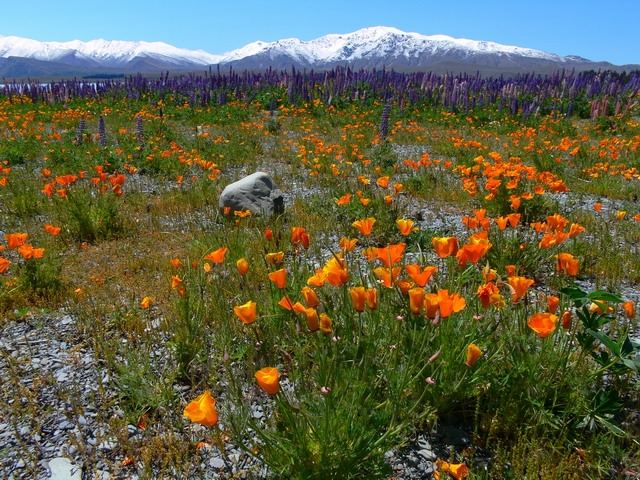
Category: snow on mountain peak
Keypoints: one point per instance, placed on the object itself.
(378, 42)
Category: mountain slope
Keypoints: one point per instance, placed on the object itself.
(373, 47)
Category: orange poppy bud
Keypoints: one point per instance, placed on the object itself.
(310, 297)
(325, 323)
(268, 234)
(202, 410)
(246, 312)
(242, 265)
(279, 278)
(552, 303)
(597, 206)
(269, 380)
(566, 319)
(543, 323)
(358, 298)
(416, 300)
(473, 354)
(629, 309)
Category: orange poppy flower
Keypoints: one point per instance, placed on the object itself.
(217, 256)
(405, 227)
(299, 236)
(472, 251)
(575, 229)
(318, 279)
(344, 199)
(457, 471)
(597, 206)
(268, 234)
(348, 244)
(519, 286)
(146, 302)
(488, 274)
(391, 254)
(286, 303)
(416, 300)
(387, 276)
(274, 258)
(568, 264)
(510, 270)
(242, 265)
(620, 215)
(543, 323)
(28, 252)
(501, 222)
(489, 294)
(365, 225)
(445, 246)
(513, 219)
(202, 410)
(279, 278)
(449, 304)
(246, 312)
(336, 271)
(15, 240)
(175, 263)
(313, 321)
(310, 297)
(383, 182)
(52, 230)
(269, 380)
(419, 275)
(473, 354)
(4, 265)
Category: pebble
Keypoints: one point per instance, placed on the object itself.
(216, 462)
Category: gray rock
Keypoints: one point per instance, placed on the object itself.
(62, 469)
(256, 193)
(216, 462)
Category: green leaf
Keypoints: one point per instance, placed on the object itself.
(604, 296)
(574, 293)
(608, 342)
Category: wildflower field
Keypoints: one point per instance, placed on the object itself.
(457, 266)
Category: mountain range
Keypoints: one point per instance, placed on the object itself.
(374, 47)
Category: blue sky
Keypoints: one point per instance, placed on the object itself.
(595, 29)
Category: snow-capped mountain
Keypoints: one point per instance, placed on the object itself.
(366, 48)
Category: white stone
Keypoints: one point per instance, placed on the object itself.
(62, 469)
(256, 193)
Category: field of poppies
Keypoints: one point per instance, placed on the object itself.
(456, 254)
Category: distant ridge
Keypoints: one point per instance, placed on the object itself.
(373, 47)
